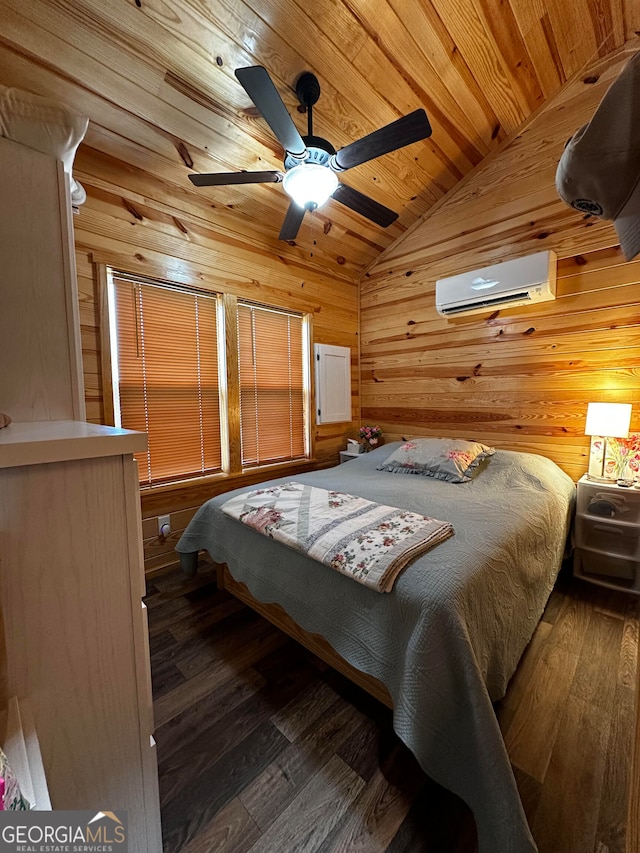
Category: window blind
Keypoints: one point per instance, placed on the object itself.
(168, 377)
(272, 421)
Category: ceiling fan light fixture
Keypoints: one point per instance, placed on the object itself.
(310, 184)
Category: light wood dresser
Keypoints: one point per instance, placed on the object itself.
(71, 587)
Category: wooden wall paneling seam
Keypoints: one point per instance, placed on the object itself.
(574, 35)
(507, 39)
(430, 60)
(238, 261)
(496, 366)
(454, 130)
(540, 44)
(556, 409)
(612, 379)
(534, 227)
(232, 255)
(436, 41)
(583, 310)
(309, 293)
(379, 63)
(496, 349)
(433, 333)
(477, 45)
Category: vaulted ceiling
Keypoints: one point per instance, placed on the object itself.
(156, 80)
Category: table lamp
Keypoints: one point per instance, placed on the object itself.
(604, 421)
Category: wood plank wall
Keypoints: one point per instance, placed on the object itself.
(519, 378)
(137, 223)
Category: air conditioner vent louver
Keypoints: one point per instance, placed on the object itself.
(522, 281)
(524, 295)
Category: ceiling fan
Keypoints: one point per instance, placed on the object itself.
(311, 162)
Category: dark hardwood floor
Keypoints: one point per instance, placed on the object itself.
(262, 747)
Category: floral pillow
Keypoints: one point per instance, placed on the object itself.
(452, 459)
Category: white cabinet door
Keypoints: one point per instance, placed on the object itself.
(333, 384)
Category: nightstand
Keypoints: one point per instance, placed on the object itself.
(607, 535)
(346, 455)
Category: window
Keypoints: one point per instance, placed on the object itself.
(272, 385)
(165, 365)
(176, 370)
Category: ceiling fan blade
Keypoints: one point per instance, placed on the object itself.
(364, 205)
(259, 86)
(219, 179)
(292, 222)
(404, 131)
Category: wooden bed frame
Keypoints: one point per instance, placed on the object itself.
(278, 617)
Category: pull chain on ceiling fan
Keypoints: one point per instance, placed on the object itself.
(311, 163)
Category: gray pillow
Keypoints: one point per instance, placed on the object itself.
(452, 459)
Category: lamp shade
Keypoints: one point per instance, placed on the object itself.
(310, 184)
(608, 419)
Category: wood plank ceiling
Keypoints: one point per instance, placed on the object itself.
(156, 79)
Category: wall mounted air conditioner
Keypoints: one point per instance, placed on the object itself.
(522, 281)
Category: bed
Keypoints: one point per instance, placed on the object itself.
(442, 646)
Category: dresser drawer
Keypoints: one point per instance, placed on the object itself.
(613, 537)
(600, 564)
(609, 502)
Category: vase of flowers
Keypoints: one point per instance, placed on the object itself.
(623, 457)
(369, 438)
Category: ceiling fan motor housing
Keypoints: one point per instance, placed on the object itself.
(319, 151)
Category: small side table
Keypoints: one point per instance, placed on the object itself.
(346, 455)
(607, 538)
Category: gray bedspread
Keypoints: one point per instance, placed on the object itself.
(448, 638)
